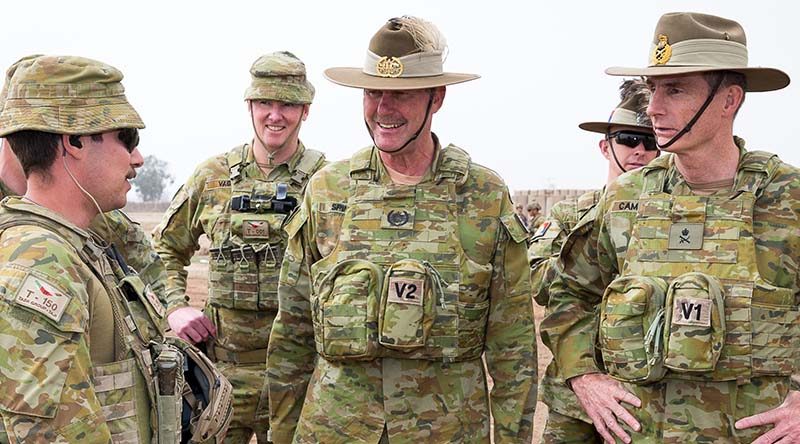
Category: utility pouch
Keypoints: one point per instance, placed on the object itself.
(169, 373)
(345, 310)
(406, 313)
(630, 330)
(694, 323)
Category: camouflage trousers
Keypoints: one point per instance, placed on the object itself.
(566, 421)
(250, 404)
(677, 411)
(562, 429)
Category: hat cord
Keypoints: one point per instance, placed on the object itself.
(414, 137)
(696, 117)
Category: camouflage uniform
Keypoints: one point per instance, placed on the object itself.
(247, 245)
(73, 370)
(566, 422)
(649, 232)
(401, 289)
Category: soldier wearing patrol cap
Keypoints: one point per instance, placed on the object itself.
(239, 200)
(86, 359)
(405, 265)
(675, 317)
(627, 144)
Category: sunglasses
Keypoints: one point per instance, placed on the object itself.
(632, 140)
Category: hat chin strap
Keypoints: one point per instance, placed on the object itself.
(614, 153)
(696, 117)
(413, 138)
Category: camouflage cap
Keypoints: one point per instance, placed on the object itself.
(66, 95)
(9, 73)
(279, 76)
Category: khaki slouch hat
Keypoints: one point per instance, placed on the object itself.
(401, 55)
(689, 42)
(630, 114)
(66, 95)
(279, 76)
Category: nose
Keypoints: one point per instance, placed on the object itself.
(136, 158)
(656, 105)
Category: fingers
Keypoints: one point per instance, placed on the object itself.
(623, 414)
(208, 326)
(755, 420)
(611, 422)
(629, 397)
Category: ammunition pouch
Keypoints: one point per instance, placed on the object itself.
(407, 311)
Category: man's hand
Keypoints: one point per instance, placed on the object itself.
(785, 418)
(600, 396)
(191, 325)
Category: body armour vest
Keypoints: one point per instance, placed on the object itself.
(143, 392)
(690, 302)
(398, 283)
(247, 240)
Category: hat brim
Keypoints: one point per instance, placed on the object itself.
(758, 79)
(602, 127)
(355, 78)
(81, 120)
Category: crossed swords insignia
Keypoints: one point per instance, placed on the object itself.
(683, 238)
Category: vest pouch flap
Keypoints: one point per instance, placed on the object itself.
(776, 330)
(694, 330)
(345, 310)
(407, 304)
(631, 320)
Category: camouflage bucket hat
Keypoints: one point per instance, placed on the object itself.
(9, 73)
(66, 95)
(406, 53)
(630, 114)
(279, 76)
(688, 42)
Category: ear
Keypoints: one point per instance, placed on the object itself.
(306, 109)
(438, 98)
(67, 148)
(604, 147)
(734, 96)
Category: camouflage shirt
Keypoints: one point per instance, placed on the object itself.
(595, 252)
(411, 399)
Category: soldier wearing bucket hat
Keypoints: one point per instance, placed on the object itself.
(405, 265)
(239, 199)
(627, 144)
(674, 319)
(87, 358)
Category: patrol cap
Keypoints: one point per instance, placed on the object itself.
(630, 114)
(66, 95)
(279, 76)
(406, 53)
(689, 42)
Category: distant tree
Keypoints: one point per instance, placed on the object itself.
(152, 178)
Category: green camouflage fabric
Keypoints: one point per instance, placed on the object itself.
(279, 76)
(66, 95)
(566, 421)
(533, 224)
(416, 398)
(628, 237)
(51, 316)
(243, 271)
(10, 73)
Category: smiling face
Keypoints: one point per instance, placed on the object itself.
(394, 117)
(278, 123)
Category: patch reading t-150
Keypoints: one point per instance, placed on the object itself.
(42, 296)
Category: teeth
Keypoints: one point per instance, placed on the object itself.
(274, 128)
(390, 125)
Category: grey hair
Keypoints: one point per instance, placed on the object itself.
(426, 35)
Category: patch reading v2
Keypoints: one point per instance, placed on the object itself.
(42, 296)
(406, 291)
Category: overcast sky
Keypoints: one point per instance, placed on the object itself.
(186, 67)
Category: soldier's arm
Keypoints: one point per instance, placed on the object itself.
(175, 240)
(578, 285)
(511, 336)
(291, 351)
(46, 385)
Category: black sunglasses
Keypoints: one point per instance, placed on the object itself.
(632, 139)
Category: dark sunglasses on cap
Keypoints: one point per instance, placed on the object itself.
(632, 139)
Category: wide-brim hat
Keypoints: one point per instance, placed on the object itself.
(279, 76)
(689, 42)
(630, 114)
(399, 58)
(66, 95)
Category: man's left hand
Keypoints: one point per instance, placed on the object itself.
(785, 418)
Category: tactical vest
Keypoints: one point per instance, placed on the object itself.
(690, 302)
(547, 240)
(142, 393)
(248, 242)
(398, 282)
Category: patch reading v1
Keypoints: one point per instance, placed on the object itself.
(42, 296)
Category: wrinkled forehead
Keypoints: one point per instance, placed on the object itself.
(676, 80)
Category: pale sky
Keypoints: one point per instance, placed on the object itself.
(186, 67)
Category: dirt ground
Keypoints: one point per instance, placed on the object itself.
(198, 292)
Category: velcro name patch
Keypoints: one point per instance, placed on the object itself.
(255, 229)
(43, 297)
(406, 291)
(691, 311)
